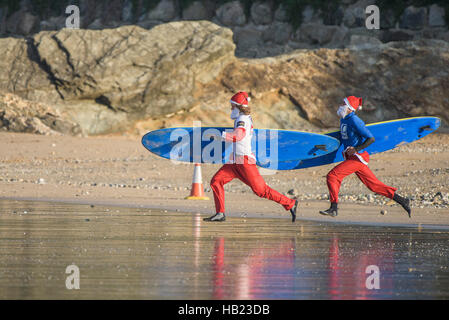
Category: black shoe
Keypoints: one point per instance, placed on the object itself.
(404, 202)
(220, 216)
(332, 211)
(293, 210)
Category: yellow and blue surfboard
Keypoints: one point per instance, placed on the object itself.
(388, 135)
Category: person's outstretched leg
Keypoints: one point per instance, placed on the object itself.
(334, 179)
(375, 185)
(370, 180)
(404, 202)
(223, 176)
(249, 175)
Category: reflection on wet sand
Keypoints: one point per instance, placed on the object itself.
(348, 274)
(127, 253)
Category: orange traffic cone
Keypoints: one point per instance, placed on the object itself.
(197, 192)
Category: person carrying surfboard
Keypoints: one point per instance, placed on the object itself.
(242, 164)
(356, 137)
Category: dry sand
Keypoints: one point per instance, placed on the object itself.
(118, 170)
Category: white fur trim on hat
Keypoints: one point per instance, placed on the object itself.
(348, 104)
(238, 104)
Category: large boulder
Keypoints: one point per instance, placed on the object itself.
(363, 42)
(280, 14)
(90, 11)
(413, 18)
(397, 35)
(19, 115)
(164, 11)
(127, 11)
(278, 32)
(310, 15)
(105, 78)
(198, 10)
(436, 16)
(231, 14)
(261, 13)
(354, 17)
(363, 37)
(248, 41)
(319, 34)
(23, 23)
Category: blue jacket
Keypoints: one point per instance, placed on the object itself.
(353, 131)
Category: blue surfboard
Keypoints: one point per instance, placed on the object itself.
(270, 146)
(388, 135)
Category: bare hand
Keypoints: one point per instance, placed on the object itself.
(350, 151)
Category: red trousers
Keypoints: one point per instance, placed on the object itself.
(249, 175)
(353, 165)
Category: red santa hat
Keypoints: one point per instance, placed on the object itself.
(240, 98)
(353, 103)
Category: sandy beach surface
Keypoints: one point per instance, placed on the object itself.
(118, 170)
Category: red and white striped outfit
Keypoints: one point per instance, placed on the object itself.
(243, 167)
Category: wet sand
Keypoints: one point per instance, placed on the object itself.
(119, 214)
(117, 170)
(129, 253)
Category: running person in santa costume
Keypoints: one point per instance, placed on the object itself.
(355, 137)
(242, 164)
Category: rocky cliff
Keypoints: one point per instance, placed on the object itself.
(104, 79)
(19, 115)
(260, 28)
(133, 79)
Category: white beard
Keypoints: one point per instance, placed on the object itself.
(235, 113)
(342, 111)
